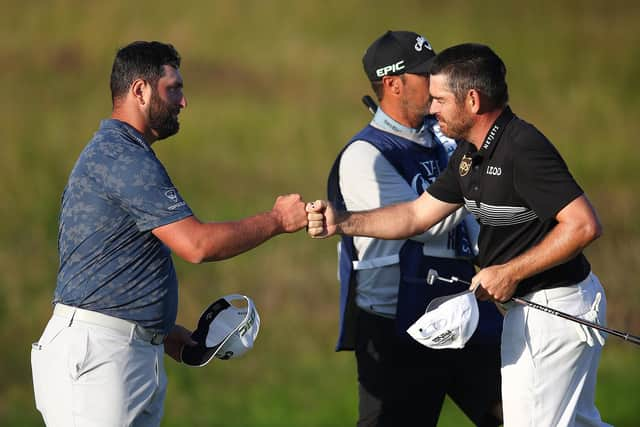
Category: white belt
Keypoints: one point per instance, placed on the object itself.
(125, 326)
(378, 262)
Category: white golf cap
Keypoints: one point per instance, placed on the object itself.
(225, 330)
(448, 321)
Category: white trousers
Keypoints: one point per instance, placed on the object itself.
(549, 364)
(89, 375)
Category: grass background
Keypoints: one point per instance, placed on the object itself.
(274, 91)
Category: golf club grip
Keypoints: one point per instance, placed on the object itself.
(624, 335)
(370, 104)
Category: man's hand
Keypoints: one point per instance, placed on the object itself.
(495, 283)
(322, 219)
(290, 212)
(178, 337)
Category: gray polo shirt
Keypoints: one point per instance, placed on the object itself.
(110, 262)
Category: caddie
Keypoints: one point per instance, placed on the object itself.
(394, 159)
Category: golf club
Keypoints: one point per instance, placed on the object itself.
(432, 276)
(370, 104)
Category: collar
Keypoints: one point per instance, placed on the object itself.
(422, 136)
(127, 129)
(495, 132)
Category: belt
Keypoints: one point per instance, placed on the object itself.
(125, 326)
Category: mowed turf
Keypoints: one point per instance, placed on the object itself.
(274, 91)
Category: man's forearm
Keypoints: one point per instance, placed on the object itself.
(390, 222)
(559, 246)
(227, 239)
(577, 227)
(442, 227)
(197, 242)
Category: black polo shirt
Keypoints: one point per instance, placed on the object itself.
(514, 185)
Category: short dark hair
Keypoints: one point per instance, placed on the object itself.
(141, 59)
(376, 86)
(473, 66)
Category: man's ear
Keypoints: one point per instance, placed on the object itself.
(474, 101)
(141, 91)
(391, 84)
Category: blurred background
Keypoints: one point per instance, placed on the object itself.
(274, 92)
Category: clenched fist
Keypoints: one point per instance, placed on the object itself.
(290, 211)
(321, 216)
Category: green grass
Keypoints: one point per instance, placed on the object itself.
(618, 380)
(274, 92)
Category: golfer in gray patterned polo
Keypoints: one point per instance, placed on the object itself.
(99, 361)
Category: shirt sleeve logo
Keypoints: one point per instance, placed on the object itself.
(171, 195)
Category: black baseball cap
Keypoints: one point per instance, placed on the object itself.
(398, 52)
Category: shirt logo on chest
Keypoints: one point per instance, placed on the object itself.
(494, 170)
(465, 165)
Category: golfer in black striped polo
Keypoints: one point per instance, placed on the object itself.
(535, 221)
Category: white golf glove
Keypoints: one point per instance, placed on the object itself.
(586, 333)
